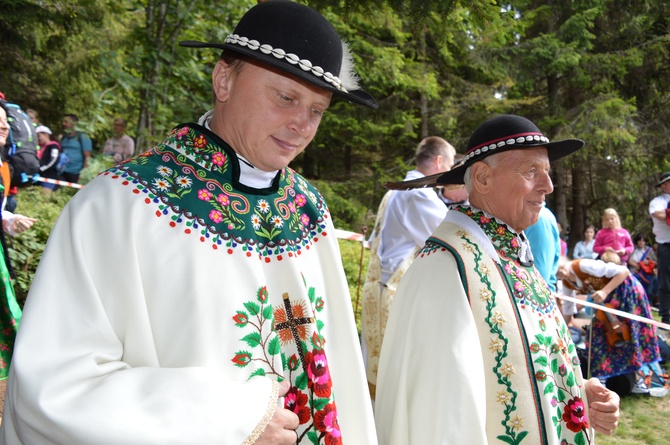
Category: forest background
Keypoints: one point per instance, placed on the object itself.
(589, 69)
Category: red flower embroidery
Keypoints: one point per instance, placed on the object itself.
(296, 401)
(574, 415)
(263, 294)
(241, 359)
(318, 373)
(241, 319)
(326, 421)
(200, 141)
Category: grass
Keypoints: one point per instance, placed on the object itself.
(645, 420)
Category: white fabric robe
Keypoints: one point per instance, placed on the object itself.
(129, 336)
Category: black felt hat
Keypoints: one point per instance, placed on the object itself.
(665, 177)
(298, 40)
(498, 134)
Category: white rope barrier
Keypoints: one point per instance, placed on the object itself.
(615, 311)
(58, 182)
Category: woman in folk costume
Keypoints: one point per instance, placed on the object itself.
(618, 346)
(10, 312)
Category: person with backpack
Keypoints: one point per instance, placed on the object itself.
(78, 147)
(49, 153)
(12, 224)
(19, 152)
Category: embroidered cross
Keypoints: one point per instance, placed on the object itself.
(292, 323)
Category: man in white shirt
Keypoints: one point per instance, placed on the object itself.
(405, 219)
(660, 215)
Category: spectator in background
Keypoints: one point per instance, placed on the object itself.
(544, 238)
(48, 154)
(659, 209)
(77, 145)
(34, 117)
(12, 224)
(562, 242)
(642, 263)
(584, 247)
(405, 220)
(612, 237)
(120, 146)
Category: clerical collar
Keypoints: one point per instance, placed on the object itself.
(506, 241)
(249, 175)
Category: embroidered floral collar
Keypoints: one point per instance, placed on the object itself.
(506, 241)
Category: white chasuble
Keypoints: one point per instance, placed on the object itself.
(476, 350)
(170, 300)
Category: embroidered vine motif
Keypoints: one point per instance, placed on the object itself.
(495, 320)
(529, 288)
(555, 377)
(553, 356)
(289, 332)
(190, 179)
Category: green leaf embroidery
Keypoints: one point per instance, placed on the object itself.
(301, 381)
(319, 404)
(571, 380)
(507, 439)
(253, 339)
(274, 347)
(267, 312)
(549, 388)
(252, 307)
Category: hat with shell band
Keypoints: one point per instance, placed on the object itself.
(298, 40)
(498, 134)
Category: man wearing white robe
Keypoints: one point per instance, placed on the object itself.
(195, 294)
(476, 351)
(404, 222)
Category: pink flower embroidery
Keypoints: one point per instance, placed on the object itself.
(300, 200)
(204, 195)
(326, 421)
(223, 199)
(218, 158)
(318, 373)
(216, 216)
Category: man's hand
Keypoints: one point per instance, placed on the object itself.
(603, 407)
(281, 429)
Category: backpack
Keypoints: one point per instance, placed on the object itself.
(62, 162)
(21, 148)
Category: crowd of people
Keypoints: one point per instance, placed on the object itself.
(204, 300)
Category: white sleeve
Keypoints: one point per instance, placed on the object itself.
(430, 385)
(599, 268)
(424, 213)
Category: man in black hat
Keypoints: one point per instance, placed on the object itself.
(476, 350)
(659, 209)
(203, 299)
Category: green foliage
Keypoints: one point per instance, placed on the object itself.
(26, 249)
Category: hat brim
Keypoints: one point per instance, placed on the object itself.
(555, 150)
(663, 181)
(359, 97)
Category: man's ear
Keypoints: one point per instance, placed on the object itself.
(221, 80)
(482, 179)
